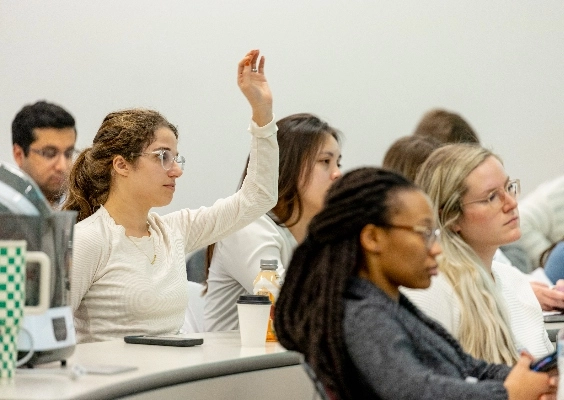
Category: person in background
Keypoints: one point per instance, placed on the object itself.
(542, 218)
(449, 127)
(341, 306)
(542, 226)
(310, 156)
(487, 305)
(407, 154)
(446, 126)
(128, 275)
(552, 260)
(43, 139)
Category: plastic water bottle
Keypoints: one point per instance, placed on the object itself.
(267, 283)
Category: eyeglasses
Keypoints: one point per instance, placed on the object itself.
(429, 235)
(51, 153)
(167, 159)
(496, 199)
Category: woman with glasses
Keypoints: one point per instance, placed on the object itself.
(341, 307)
(488, 306)
(128, 275)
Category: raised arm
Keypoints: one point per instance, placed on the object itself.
(253, 84)
(259, 192)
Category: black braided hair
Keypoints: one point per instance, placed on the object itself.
(309, 311)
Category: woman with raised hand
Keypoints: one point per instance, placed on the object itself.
(488, 306)
(341, 306)
(310, 156)
(128, 275)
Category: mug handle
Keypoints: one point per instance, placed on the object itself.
(44, 282)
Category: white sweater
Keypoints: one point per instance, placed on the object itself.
(115, 291)
(542, 218)
(526, 320)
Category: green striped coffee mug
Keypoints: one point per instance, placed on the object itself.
(13, 259)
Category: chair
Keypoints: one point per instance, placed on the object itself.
(319, 387)
(196, 266)
(194, 315)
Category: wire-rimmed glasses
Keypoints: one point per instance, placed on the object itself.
(496, 198)
(430, 235)
(52, 153)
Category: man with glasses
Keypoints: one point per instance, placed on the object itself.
(43, 138)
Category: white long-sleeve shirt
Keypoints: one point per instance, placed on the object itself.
(235, 265)
(441, 303)
(542, 218)
(115, 291)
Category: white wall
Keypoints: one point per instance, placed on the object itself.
(371, 68)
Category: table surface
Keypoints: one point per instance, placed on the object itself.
(157, 366)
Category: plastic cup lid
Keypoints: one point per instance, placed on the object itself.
(253, 299)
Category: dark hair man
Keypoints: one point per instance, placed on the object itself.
(43, 138)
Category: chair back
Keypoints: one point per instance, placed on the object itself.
(320, 390)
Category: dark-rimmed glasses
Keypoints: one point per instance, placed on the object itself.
(496, 198)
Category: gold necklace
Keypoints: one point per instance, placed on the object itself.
(145, 254)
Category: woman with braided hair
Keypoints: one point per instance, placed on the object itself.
(341, 306)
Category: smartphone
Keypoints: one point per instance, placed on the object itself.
(545, 363)
(164, 340)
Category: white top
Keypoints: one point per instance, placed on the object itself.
(235, 265)
(115, 291)
(526, 320)
(542, 218)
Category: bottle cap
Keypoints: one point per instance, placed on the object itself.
(269, 264)
(253, 299)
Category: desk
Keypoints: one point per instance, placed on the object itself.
(218, 369)
(552, 329)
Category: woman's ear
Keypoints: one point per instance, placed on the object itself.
(121, 166)
(456, 228)
(371, 238)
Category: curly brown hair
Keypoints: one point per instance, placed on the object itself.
(126, 133)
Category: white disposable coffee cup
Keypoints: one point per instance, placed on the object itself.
(253, 311)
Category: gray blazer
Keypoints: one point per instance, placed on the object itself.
(399, 353)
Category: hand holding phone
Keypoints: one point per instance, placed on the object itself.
(164, 340)
(546, 363)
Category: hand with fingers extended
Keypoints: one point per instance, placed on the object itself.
(522, 383)
(253, 84)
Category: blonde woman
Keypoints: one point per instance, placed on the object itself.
(488, 306)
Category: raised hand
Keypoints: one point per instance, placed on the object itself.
(253, 84)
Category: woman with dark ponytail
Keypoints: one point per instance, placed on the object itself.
(341, 307)
(310, 155)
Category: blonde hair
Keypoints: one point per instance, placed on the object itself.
(484, 330)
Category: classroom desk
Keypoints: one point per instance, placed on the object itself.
(552, 329)
(218, 369)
